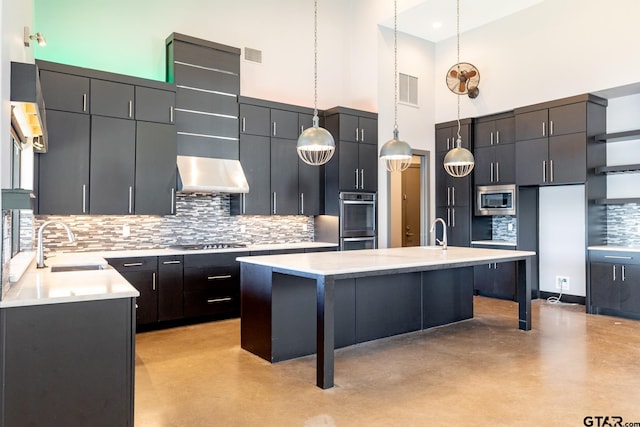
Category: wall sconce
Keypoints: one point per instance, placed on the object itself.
(37, 36)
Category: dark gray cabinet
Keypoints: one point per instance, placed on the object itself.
(453, 194)
(155, 169)
(284, 124)
(68, 364)
(170, 288)
(447, 296)
(614, 286)
(141, 273)
(255, 120)
(112, 166)
(284, 176)
(65, 92)
(63, 172)
(112, 99)
(255, 156)
(154, 105)
(495, 280)
(494, 150)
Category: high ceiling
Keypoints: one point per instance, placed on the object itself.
(435, 20)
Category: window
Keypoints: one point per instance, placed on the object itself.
(408, 89)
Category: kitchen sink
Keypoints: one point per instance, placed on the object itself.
(66, 268)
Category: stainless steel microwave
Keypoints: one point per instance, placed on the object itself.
(495, 200)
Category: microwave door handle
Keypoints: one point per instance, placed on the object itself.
(357, 239)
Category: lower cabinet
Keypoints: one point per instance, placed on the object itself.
(68, 364)
(496, 280)
(170, 288)
(615, 286)
(141, 272)
(447, 296)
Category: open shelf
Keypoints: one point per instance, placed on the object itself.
(605, 170)
(618, 201)
(619, 136)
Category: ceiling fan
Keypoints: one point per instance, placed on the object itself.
(463, 79)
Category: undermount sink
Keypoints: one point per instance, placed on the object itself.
(65, 268)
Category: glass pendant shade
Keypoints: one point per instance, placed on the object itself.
(459, 161)
(315, 145)
(396, 154)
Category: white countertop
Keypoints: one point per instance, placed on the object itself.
(347, 262)
(614, 248)
(494, 243)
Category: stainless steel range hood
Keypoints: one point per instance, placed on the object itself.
(208, 175)
(27, 105)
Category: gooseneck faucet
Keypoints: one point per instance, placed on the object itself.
(40, 249)
(442, 242)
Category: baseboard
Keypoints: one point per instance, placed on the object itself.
(573, 299)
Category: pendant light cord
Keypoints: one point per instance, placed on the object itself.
(459, 140)
(395, 68)
(315, 61)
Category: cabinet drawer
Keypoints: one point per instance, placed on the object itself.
(134, 263)
(222, 277)
(205, 303)
(213, 259)
(615, 257)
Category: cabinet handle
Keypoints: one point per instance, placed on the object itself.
(448, 217)
(84, 102)
(171, 114)
(362, 179)
(448, 147)
(301, 128)
(275, 128)
(173, 201)
(130, 199)
(618, 257)
(357, 180)
(497, 137)
(153, 281)
(130, 108)
(224, 276)
(244, 203)
(544, 171)
(84, 198)
(244, 122)
(448, 196)
(544, 129)
(357, 139)
(491, 172)
(215, 300)
(132, 264)
(171, 262)
(550, 127)
(453, 217)
(275, 202)
(624, 273)
(453, 196)
(361, 134)
(497, 171)
(491, 139)
(551, 170)
(614, 273)
(301, 203)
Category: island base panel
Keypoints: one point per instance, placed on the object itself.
(447, 296)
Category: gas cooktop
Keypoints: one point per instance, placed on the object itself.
(201, 246)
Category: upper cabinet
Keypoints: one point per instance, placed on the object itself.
(554, 140)
(494, 150)
(103, 144)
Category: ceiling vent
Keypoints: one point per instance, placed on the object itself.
(253, 55)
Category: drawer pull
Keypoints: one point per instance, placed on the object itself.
(618, 257)
(171, 262)
(215, 300)
(225, 276)
(132, 264)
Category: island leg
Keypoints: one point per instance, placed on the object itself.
(524, 294)
(325, 331)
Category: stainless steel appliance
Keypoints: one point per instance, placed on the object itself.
(357, 220)
(495, 200)
(208, 245)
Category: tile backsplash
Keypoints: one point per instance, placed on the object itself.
(504, 228)
(622, 224)
(199, 219)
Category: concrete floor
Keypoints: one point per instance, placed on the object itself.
(479, 372)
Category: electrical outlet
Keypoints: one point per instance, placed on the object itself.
(510, 227)
(243, 229)
(305, 227)
(562, 283)
(126, 231)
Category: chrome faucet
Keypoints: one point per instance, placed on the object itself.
(40, 249)
(442, 242)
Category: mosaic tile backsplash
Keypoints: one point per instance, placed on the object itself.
(500, 228)
(622, 224)
(198, 219)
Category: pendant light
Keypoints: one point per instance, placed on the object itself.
(396, 153)
(459, 161)
(315, 144)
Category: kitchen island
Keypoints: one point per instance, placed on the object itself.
(357, 296)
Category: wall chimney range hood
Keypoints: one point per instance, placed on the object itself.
(27, 105)
(209, 175)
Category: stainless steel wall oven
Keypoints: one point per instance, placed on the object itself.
(358, 220)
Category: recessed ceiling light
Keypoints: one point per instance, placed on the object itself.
(436, 25)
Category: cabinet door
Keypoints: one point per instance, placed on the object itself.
(255, 152)
(630, 288)
(460, 191)
(349, 130)
(65, 92)
(483, 279)
(284, 177)
(63, 173)
(368, 162)
(284, 124)
(443, 139)
(531, 161)
(170, 288)
(567, 159)
(483, 171)
(141, 273)
(566, 119)
(349, 166)
(485, 134)
(155, 172)
(505, 280)
(443, 193)
(605, 291)
(112, 99)
(309, 179)
(505, 164)
(505, 131)
(531, 125)
(154, 105)
(305, 121)
(368, 129)
(255, 120)
(112, 165)
(459, 230)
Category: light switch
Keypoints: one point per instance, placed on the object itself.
(126, 231)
